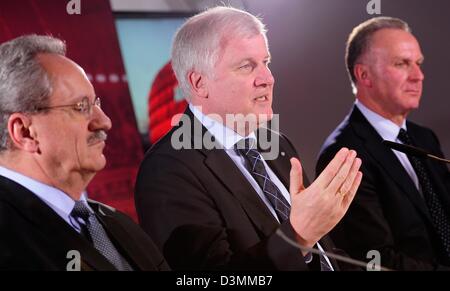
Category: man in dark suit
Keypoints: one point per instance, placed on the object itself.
(402, 207)
(220, 191)
(53, 132)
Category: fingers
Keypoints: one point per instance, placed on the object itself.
(332, 169)
(351, 194)
(296, 177)
(342, 174)
(348, 183)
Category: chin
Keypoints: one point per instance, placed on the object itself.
(98, 163)
(265, 115)
(414, 105)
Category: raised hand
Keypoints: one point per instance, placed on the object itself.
(317, 209)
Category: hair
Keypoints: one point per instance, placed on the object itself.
(24, 83)
(198, 43)
(359, 39)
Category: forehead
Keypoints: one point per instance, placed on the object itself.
(248, 47)
(69, 81)
(395, 42)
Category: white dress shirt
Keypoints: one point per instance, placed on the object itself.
(227, 138)
(389, 131)
(56, 199)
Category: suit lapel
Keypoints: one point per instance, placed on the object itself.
(43, 218)
(281, 165)
(218, 162)
(229, 174)
(225, 170)
(387, 159)
(58, 229)
(422, 142)
(281, 168)
(121, 238)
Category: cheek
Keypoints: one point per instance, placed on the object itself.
(76, 144)
(395, 78)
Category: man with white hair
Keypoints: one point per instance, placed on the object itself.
(216, 199)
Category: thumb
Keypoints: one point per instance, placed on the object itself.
(296, 177)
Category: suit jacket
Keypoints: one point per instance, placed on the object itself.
(34, 237)
(204, 214)
(388, 213)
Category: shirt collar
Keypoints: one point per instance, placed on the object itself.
(386, 128)
(224, 135)
(59, 201)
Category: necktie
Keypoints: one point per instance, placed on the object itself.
(257, 169)
(98, 236)
(254, 163)
(435, 207)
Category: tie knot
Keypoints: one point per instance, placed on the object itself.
(404, 137)
(80, 210)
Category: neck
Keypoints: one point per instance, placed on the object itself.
(244, 129)
(73, 184)
(396, 117)
(240, 124)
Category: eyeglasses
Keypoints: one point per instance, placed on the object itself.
(84, 106)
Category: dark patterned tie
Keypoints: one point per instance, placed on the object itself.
(435, 207)
(247, 149)
(97, 234)
(255, 165)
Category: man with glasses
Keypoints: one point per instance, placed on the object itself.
(52, 136)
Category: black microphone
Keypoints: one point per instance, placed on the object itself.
(412, 150)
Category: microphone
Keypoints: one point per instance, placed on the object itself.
(413, 151)
(328, 254)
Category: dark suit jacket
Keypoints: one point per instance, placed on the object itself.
(34, 237)
(204, 214)
(388, 213)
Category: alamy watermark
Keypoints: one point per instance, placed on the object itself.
(375, 263)
(373, 7)
(73, 7)
(191, 135)
(74, 263)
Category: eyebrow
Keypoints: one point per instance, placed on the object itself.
(250, 59)
(402, 58)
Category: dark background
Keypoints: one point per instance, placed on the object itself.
(312, 91)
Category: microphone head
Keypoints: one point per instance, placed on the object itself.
(407, 149)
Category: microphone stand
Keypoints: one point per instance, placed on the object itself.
(328, 254)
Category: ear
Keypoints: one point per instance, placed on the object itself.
(198, 83)
(362, 75)
(22, 133)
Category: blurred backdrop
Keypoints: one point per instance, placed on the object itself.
(124, 46)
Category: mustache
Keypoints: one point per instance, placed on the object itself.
(97, 136)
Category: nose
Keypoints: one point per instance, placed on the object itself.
(264, 78)
(416, 73)
(99, 120)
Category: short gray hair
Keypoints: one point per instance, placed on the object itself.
(24, 83)
(359, 39)
(198, 43)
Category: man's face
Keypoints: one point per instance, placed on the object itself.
(70, 141)
(241, 82)
(394, 59)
